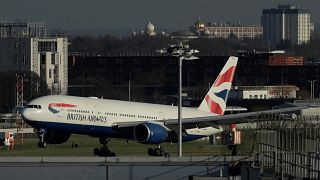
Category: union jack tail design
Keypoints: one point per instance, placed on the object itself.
(216, 99)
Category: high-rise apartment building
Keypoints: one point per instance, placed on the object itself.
(286, 24)
(26, 47)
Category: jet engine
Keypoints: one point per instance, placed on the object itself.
(150, 133)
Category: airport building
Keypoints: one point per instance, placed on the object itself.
(286, 24)
(266, 92)
(26, 47)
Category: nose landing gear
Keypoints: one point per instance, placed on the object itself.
(41, 134)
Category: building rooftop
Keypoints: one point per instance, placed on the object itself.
(288, 9)
(265, 87)
(21, 28)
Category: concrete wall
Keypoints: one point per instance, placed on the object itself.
(133, 168)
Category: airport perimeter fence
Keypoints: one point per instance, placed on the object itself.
(9, 122)
(288, 164)
(290, 147)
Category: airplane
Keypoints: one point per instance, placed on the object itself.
(56, 117)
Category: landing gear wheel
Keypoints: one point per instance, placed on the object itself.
(158, 151)
(41, 133)
(151, 152)
(103, 151)
(96, 151)
(42, 144)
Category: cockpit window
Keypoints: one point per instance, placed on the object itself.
(33, 106)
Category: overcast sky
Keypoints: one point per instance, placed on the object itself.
(134, 14)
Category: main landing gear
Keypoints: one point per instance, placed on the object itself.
(41, 143)
(158, 151)
(103, 151)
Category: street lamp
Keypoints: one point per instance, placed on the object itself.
(183, 52)
(312, 88)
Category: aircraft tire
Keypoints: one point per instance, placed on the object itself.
(158, 152)
(96, 151)
(151, 152)
(42, 144)
(103, 152)
(39, 145)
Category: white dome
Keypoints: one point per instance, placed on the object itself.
(149, 27)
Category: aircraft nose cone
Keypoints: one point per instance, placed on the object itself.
(26, 114)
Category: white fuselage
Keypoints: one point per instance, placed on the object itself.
(87, 115)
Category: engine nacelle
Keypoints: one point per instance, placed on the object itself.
(52, 137)
(150, 133)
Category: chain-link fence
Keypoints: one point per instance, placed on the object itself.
(290, 146)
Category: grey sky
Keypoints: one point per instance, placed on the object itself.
(134, 14)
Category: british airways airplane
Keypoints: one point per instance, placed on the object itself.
(56, 117)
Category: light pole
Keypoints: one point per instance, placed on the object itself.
(312, 88)
(129, 87)
(183, 52)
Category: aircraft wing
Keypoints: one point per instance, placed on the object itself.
(217, 120)
(233, 118)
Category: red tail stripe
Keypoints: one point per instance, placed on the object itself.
(226, 77)
(213, 106)
(61, 105)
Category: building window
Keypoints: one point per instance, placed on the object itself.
(53, 59)
(55, 78)
(47, 46)
(43, 59)
(50, 73)
(25, 59)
